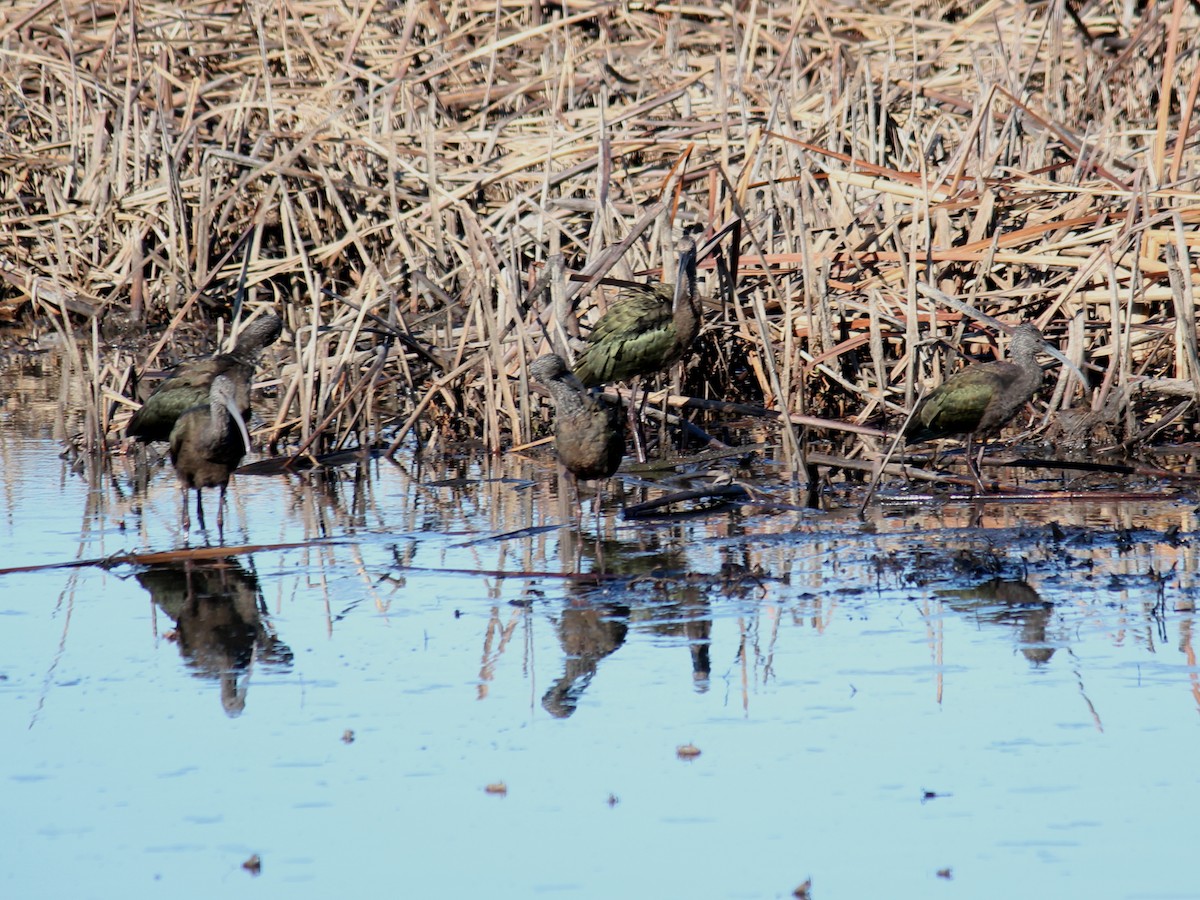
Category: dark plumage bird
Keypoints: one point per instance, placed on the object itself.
(646, 330)
(189, 384)
(589, 433)
(983, 397)
(208, 442)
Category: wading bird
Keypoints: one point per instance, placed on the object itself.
(189, 384)
(983, 397)
(208, 442)
(646, 330)
(589, 433)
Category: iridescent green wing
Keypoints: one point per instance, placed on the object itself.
(955, 407)
(186, 387)
(633, 338)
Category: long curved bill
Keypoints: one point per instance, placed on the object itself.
(1050, 350)
(239, 421)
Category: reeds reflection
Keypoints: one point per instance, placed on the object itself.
(221, 623)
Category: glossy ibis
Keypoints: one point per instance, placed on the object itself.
(983, 397)
(646, 330)
(207, 443)
(589, 433)
(188, 385)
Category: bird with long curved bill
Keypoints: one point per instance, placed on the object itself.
(208, 442)
(984, 397)
(646, 330)
(589, 432)
(188, 385)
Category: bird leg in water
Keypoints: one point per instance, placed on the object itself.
(635, 418)
(974, 463)
(598, 558)
(220, 513)
(187, 519)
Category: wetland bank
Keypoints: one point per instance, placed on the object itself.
(749, 689)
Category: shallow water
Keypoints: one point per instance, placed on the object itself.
(959, 688)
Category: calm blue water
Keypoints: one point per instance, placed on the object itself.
(164, 724)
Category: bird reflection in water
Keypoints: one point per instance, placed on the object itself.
(221, 622)
(661, 597)
(1011, 603)
(588, 633)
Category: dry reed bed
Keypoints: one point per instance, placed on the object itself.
(413, 186)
